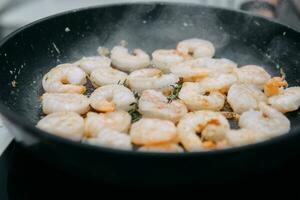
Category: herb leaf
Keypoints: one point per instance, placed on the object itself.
(135, 115)
(175, 92)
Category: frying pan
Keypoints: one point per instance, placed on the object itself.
(31, 51)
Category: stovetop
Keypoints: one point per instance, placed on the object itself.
(23, 177)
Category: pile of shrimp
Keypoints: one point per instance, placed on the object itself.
(176, 100)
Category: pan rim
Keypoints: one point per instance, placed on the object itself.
(32, 130)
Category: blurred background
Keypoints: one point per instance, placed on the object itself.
(16, 13)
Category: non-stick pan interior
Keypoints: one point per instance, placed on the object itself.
(32, 51)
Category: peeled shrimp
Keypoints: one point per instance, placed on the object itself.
(197, 47)
(243, 97)
(110, 98)
(164, 59)
(196, 97)
(66, 78)
(107, 76)
(162, 148)
(118, 121)
(267, 121)
(274, 86)
(218, 82)
(112, 139)
(252, 74)
(154, 104)
(242, 137)
(152, 132)
(89, 64)
(65, 124)
(288, 100)
(150, 78)
(124, 61)
(61, 102)
(211, 125)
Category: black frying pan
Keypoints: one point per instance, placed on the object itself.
(31, 51)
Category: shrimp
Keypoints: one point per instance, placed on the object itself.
(150, 78)
(197, 69)
(89, 64)
(107, 76)
(162, 148)
(242, 137)
(243, 97)
(63, 102)
(197, 47)
(252, 74)
(118, 121)
(286, 101)
(122, 60)
(274, 86)
(111, 139)
(267, 121)
(196, 97)
(164, 59)
(152, 132)
(66, 78)
(211, 125)
(110, 98)
(218, 82)
(153, 104)
(66, 124)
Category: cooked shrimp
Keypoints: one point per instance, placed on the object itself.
(218, 66)
(197, 47)
(286, 101)
(163, 59)
(252, 74)
(243, 97)
(65, 124)
(162, 148)
(124, 61)
(267, 121)
(150, 78)
(110, 98)
(62, 102)
(274, 86)
(242, 137)
(196, 97)
(118, 121)
(112, 139)
(107, 76)
(211, 125)
(89, 64)
(218, 82)
(66, 78)
(152, 132)
(154, 104)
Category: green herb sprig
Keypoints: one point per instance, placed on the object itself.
(135, 115)
(175, 92)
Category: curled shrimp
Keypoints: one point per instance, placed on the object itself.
(274, 86)
(218, 82)
(242, 137)
(211, 126)
(111, 139)
(267, 121)
(162, 148)
(95, 122)
(153, 104)
(152, 132)
(110, 98)
(243, 97)
(107, 76)
(60, 102)
(66, 78)
(163, 59)
(150, 78)
(89, 64)
(124, 61)
(288, 100)
(252, 74)
(197, 97)
(66, 124)
(197, 47)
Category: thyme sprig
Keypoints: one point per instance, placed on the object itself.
(175, 92)
(135, 115)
